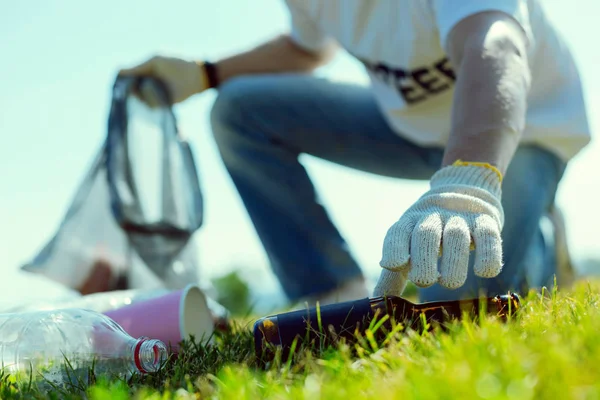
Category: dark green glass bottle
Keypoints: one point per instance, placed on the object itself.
(335, 321)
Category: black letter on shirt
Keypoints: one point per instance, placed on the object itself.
(407, 90)
(382, 72)
(444, 67)
(427, 81)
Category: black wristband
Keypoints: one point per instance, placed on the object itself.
(211, 74)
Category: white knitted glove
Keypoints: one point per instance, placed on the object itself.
(183, 78)
(461, 212)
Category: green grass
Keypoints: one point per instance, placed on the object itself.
(550, 350)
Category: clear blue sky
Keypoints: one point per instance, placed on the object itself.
(59, 59)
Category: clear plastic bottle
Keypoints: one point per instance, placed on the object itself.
(64, 346)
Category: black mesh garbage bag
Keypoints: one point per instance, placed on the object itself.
(132, 221)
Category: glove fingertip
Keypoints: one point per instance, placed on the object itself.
(488, 264)
(423, 279)
(488, 267)
(395, 265)
(451, 283)
(390, 284)
(488, 271)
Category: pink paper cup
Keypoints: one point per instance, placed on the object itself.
(170, 318)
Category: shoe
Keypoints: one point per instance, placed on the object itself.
(353, 290)
(565, 273)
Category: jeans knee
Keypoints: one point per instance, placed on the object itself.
(535, 159)
(227, 112)
(533, 171)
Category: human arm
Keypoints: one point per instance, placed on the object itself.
(186, 78)
(279, 55)
(489, 54)
(462, 211)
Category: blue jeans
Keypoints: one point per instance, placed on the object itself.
(263, 123)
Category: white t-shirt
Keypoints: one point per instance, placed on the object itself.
(401, 43)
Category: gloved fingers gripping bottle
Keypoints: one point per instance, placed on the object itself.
(63, 346)
(341, 320)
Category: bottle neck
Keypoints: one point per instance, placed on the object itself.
(148, 355)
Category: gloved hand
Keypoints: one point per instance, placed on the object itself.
(461, 212)
(183, 78)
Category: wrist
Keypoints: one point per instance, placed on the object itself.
(461, 163)
(208, 75)
(481, 175)
(492, 146)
